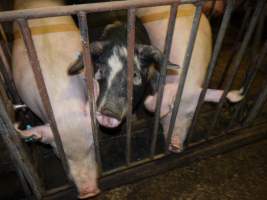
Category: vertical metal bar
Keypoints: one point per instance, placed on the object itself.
(237, 61)
(237, 43)
(130, 68)
(213, 62)
(89, 74)
(255, 67)
(17, 152)
(186, 64)
(27, 37)
(256, 109)
(162, 79)
(212, 10)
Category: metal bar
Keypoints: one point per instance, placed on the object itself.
(130, 71)
(256, 109)
(212, 10)
(18, 153)
(237, 61)
(89, 74)
(162, 79)
(24, 183)
(251, 77)
(236, 45)
(92, 7)
(27, 37)
(213, 62)
(9, 82)
(186, 64)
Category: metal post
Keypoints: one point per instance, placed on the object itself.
(130, 70)
(186, 64)
(162, 79)
(89, 74)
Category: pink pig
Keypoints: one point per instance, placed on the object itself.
(156, 21)
(57, 42)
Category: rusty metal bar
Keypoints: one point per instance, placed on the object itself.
(89, 74)
(7, 76)
(17, 152)
(162, 79)
(33, 58)
(247, 85)
(236, 46)
(186, 64)
(92, 7)
(214, 58)
(237, 61)
(256, 109)
(130, 71)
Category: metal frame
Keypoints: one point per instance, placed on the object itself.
(21, 18)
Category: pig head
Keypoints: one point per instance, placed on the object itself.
(57, 42)
(109, 54)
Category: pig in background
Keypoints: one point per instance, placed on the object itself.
(157, 19)
(57, 42)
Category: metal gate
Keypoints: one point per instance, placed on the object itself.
(237, 129)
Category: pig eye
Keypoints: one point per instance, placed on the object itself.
(137, 78)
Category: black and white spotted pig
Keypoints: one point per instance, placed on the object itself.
(108, 34)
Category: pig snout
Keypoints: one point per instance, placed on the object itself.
(109, 116)
(88, 190)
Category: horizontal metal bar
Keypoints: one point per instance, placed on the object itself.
(185, 68)
(89, 74)
(130, 71)
(92, 7)
(212, 65)
(162, 78)
(32, 54)
(237, 61)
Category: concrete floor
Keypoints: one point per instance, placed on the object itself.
(237, 175)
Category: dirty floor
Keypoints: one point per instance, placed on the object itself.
(237, 175)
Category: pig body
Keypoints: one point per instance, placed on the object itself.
(57, 42)
(156, 19)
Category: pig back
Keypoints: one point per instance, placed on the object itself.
(57, 43)
(156, 21)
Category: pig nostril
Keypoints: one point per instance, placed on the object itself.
(110, 113)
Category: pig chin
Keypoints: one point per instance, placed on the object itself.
(107, 121)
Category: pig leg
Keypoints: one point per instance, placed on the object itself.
(214, 95)
(40, 133)
(183, 121)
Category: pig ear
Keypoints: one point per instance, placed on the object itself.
(97, 47)
(153, 55)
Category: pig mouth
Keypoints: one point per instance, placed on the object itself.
(107, 121)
